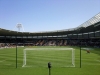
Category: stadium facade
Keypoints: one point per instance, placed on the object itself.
(87, 34)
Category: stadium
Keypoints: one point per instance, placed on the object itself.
(66, 50)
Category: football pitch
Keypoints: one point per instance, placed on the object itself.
(60, 59)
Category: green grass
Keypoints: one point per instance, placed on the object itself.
(38, 61)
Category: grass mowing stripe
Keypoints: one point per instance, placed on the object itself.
(89, 64)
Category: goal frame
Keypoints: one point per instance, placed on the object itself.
(27, 49)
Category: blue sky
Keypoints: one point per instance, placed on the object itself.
(46, 15)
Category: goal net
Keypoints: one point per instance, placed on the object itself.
(39, 57)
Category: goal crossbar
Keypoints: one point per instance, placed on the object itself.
(48, 49)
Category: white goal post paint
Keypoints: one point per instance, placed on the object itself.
(27, 49)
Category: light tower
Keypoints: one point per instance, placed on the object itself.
(19, 26)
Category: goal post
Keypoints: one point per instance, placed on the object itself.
(73, 57)
(63, 57)
(24, 59)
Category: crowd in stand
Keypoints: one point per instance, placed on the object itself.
(7, 45)
(91, 43)
(47, 43)
(52, 42)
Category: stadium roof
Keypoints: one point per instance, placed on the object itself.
(91, 25)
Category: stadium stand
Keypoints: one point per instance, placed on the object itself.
(87, 34)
